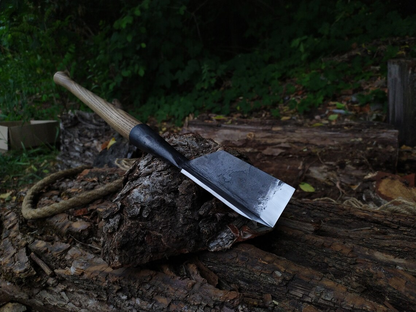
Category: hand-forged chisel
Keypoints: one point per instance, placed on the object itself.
(249, 191)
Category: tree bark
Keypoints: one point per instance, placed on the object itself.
(160, 212)
(124, 253)
(321, 256)
(334, 159)
(329, 256)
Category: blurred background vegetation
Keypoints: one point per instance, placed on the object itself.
(167, 59)
(170, 58)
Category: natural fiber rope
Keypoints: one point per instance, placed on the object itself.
(31, 213)
(406, 207)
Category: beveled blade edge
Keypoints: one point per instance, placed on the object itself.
(277, 200)
(221, 198)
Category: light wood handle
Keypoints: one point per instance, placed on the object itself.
(118, 119)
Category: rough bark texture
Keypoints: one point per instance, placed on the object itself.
(331, 158)
(321, 256)
(160, 212)
(330, 256)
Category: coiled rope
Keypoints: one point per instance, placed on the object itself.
(29, 212)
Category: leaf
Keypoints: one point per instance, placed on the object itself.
(112, 141)
(137, 11)
(276, 112)
(126, 72)
(182, 9)
(302, 48)
(306, 187)
(5, 195)
(333, 117)
(340, 105)
(141, 71)
(125, 21)
(317, 124)
(219, 117)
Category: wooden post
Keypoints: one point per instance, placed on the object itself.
(402, 99)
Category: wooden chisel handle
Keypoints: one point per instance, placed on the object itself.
(118, 119)
(137, 133)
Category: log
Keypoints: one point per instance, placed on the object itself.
(160, 212)
(402, 99)
(330, 256)
(334, 158)
(320, 256)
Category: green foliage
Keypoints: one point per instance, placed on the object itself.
(31, 38)
(26, 166)
(145, 53)
(170, 58)
(375, 96)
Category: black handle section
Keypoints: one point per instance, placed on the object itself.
(149, 141)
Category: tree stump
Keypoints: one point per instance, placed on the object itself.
(402, 99)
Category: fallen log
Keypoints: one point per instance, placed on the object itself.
(332, 158)
(320, 256)
(330, 256)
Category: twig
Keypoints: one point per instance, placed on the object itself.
(42, 264)
(85, 244)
